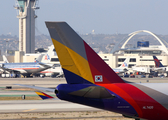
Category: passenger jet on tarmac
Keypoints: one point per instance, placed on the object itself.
(91, 82)
(26, 69)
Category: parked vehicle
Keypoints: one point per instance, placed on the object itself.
(150, 76)
(143, 76)
(132, 76)
(162, 76)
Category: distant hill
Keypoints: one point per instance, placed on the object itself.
(100, 42)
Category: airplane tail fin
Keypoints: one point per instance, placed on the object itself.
(157, 62)
(5, 59)
(39, 58)
(80, 63)
(50, 50)
(47, 56)
(125, 63)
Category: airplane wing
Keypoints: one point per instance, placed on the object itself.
(119, 71)
(39, 93)
(46, 65)
(5, 69)
(160, 69)
(125, 69)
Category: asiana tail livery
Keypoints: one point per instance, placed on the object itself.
(91, 82)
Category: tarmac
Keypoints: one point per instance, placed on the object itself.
(49, 106)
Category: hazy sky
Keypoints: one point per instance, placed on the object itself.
(103, 16)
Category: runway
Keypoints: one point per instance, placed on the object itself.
(43, 82)
(50, 83)
(20, 106)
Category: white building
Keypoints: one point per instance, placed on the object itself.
(139, 56)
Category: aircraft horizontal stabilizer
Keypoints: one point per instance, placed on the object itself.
(46, 65)
(125, 69)
(38, 88)
(44, 95)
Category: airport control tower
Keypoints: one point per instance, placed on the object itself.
(26, 15)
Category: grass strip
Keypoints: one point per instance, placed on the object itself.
(20, 98)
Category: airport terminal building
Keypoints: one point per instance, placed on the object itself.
(142, 55)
